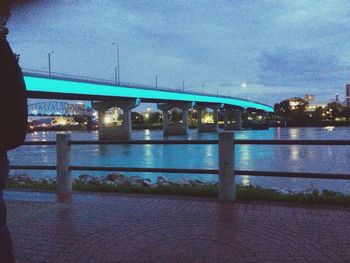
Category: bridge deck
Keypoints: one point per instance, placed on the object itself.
(41, 86)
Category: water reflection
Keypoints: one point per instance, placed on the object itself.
(244, 152)
(245, 180)
(294, 152)
(294, 133)
(148, 155)
(278, 133)
(147, 134)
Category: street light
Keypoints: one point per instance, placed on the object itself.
(202, 88)
(244, 86)
(157, 81)
(115, 75)
(49, 57)
(183, 86)
(117, 70)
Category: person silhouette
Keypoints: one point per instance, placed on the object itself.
(14, 116)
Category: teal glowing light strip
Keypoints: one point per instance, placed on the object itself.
(38, 84)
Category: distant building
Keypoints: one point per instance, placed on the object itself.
(309, 97)
(294, 103)
(347, 95)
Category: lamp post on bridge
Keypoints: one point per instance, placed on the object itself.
(244, 86)
(157, 81)
(115, 75)
(203, 88)
(49, 58)
(183, 86)
(117, 69)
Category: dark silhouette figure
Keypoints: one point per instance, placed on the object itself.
(13, 117)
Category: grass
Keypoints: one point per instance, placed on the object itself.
(252, 193)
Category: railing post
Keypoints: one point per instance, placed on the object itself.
(227, 185)
(64, 177)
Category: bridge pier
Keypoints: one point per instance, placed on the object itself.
(179, 128)
(229, 115)
(107, 131)
(208, 127)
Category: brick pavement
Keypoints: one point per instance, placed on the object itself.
(135, 228)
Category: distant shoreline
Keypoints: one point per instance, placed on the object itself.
(160, 127)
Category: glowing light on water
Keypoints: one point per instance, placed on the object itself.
(294, 134)
(329, 128)
(245, 180)
(294, 152)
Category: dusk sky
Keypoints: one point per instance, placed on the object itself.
(278, 48)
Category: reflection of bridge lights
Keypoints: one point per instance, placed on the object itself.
(294, 152)
(329, 128)
(245, 180)
(294, 134)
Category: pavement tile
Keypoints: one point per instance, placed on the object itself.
(138, 228)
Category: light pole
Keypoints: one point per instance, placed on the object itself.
(117, 70)
(244, 86)
(49, 57)
(115, 75)
(183, 86)
(157, 81)
(202, 88)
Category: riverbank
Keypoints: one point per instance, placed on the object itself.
(118, 183)
(193, 127)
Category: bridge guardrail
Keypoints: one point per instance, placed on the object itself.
(41, 73)
(226, 169)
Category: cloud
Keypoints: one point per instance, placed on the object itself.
(299, 67)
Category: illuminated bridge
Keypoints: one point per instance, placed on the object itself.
(58, 108)
(126, 96)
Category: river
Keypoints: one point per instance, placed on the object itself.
(322, 159)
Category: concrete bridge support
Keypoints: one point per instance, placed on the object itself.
(208, 127)
(112, 132)
(180, 128)
(229, 116)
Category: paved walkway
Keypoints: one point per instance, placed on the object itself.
(135, 228)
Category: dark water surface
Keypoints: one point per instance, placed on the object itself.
(322, 159)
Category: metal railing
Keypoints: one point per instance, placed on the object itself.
(226, 168)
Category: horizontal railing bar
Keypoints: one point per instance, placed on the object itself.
(40, 143)
(293, 174)
(294, 142)
(33, 167)
(144, 142)
(139, 169)
(243, 141)
(189, 171)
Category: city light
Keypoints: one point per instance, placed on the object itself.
(208, 118)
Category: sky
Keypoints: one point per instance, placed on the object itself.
(264, 50)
